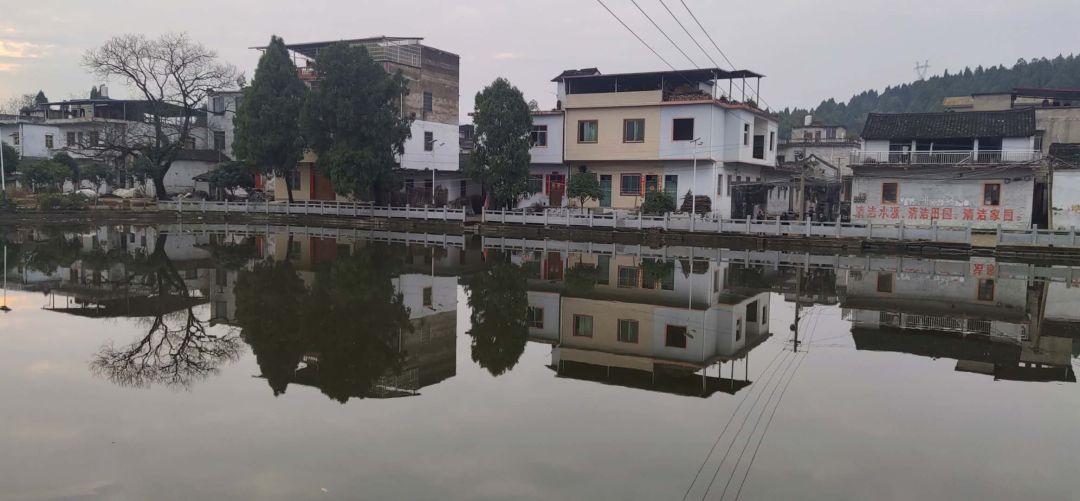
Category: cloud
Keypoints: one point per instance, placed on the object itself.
(20, 50)
(506, 56)
(9, 67)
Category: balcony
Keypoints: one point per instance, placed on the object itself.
(981, 157)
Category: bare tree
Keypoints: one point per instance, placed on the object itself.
(15, 104)
(174, 76)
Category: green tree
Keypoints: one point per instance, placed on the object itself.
(95, 93)
(500, 161)
(49, 175)
(11, 158)
(584, 186)
(352, 121)
(500, 306)
(97, 173)
(40, 98)
(267, 122)
(657, 203)
(232, 175)
(67, 160)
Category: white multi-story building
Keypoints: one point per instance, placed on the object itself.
(675, 131)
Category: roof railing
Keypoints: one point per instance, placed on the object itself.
(969, 157)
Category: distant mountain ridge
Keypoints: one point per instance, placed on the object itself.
(1061, 72)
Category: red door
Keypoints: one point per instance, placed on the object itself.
(556, 189)
(321, 188)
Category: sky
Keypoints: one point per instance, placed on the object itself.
(808, 51)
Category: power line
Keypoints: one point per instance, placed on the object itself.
(718, 49)
(632, 32)
(662, 32)
(692, 38)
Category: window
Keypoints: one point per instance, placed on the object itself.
(603, 269)
(587, 131)
(634, 130)
(217, 104)
(628, 331)
(463, 188)
(94, 139)
(429, 104)
(583, 325)
(82, 140)
(751, 312)
(992, 194)
(729, 185)
(682, 129)
(630, 185)
(986, 289)
(427, 297)
(15, 139)
(746, 134)
(772, 140)
(71, 139)
(294, 249)
(49, 141)
(219, 140)
(830, 133)
(780, 159)
(675, 336)
(738, 329)
(628, 276)
(817, 135)
(889, 193)
(535, 317)
(539, 136)
(807, 136)
(720, 184)
(885, 282)
(429, 141)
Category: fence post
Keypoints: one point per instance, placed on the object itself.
(427, 210)
(179, 207)
(967, 233)
(997, 234)
(547, 216)
(747, 225)
(902, 229)
(838, 231)
(567, 217)
(226, 205)
(666, 218)
(590, 219)
(1035, 236)
(445, 213)
(1072, 235)
(692, 218)
(483, 214)
(777, 225)
(288, 208)
(936, 226)
(720, 223)
(640, 220)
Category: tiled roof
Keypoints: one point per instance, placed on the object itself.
(970, 124)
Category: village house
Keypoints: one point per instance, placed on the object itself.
(675, 131)
(830, 143)
(431, 159)
(979, 168)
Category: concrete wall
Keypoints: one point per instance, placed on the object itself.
(613, 99)
(958, 290)
(609, 144)
(553, 152)
(708, 125)
(949, 202)
(549, 303)
(1065, 197)
(1060, 125)
(443, 156)
(32, 142)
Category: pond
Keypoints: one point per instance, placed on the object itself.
(237, 362)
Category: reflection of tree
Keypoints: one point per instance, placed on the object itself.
(177, 350)
(233, 255)
(582, 278)
(499, 306)
(349, 321)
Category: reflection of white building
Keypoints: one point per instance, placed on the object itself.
(961, 310)
(642, 323)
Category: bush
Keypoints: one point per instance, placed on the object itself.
(657, 203)
(61, 202)
(6, 203)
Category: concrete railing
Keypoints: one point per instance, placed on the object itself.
(712, 224)
(351, 209)
(945, 157)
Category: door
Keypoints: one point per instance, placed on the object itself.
(556, 189)
(605, 190)
(652, 182)
(671, 186)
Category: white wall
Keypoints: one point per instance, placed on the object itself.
(1065, 197)
(708, 125)
(950, 203)
(553, 152)
(549, 302)
(443, 294)
(444, 156)
(32, 139)
(180, 178)
(1018, 143)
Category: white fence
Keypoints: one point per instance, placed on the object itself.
(945, 157)
(711, 224)
(321, 208)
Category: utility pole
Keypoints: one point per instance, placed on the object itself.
(693, 185)
(802, 192)
(4, 307)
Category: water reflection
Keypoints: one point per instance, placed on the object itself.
(375, 314)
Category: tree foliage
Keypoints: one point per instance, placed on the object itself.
(584, 186)
(352, 121)
(1061, 72)
(11, 158)
(40, 98)
(657, 203)
(268, 119)
(173, 75)
(48, 175)
(500, 161)
(232, 175)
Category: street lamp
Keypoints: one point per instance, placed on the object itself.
(433, 145)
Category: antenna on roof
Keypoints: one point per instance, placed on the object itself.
(920, 69)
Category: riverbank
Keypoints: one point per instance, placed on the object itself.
(651, 237)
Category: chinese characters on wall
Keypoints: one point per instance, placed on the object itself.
(923, 213)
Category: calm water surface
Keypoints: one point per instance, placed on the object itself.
(264, 363)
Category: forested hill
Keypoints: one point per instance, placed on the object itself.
(927, 95)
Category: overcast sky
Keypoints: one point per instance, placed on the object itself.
(808, 50)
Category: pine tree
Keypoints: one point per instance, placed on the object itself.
(268, 136)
